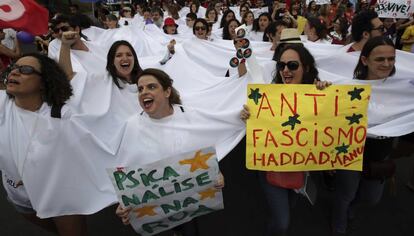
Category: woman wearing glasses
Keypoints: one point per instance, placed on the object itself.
(353, 188)
(295, 65)
(35, 86)
(201, 29)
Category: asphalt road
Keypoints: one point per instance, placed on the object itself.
(245, 209)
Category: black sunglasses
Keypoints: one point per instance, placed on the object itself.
(24, 69)
(291, 65)
(197, 28)
(63, 28)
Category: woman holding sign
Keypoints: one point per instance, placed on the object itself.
(353, 188)
(164, 123)
(295, 65)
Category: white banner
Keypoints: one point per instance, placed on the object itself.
(394, 8)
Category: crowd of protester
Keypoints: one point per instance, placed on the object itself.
(285, 25)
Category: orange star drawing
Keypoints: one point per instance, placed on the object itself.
(198, 161)
(145, 211)
(208, 193)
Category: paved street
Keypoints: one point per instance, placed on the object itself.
(245, 211)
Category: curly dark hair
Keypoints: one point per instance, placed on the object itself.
(226, 31)
(361, 70)
(166, 82)
(57, 89)
(361, 23)
(310, 73)
(110, 66)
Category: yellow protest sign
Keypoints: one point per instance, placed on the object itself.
(298, 127)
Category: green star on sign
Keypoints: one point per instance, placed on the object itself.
(356, 93)
(255, 95)
(292, 121)
(354, 118)
(342, 149)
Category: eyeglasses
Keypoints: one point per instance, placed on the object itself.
(291, 65)
(380, 28)
(24, 69)
(197, 28)
(188, 19)
(63, 29)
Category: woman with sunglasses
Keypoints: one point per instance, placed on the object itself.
(355, 189)
(35, 86)
(201, 29)
(295, 65)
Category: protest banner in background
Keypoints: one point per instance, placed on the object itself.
(169, 192)
(394, 8)
(319, 2)
(297, 127)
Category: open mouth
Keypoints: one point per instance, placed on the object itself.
(12, 81)
(125, 65)
(148, 102)
(288, 79)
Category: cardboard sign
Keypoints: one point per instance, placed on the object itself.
(169, 192)
(319, 2)
(395, 8)
(297, 127)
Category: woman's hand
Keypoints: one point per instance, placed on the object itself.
(220, 181)
(245, 113)
(171, 45)
(123, 213)
(69, 38)
(321, 85)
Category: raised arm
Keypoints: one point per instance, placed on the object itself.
(68, 39)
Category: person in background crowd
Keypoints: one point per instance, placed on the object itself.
(111, 22)
(244, 8)
(324, 15)
(349, 12)
(273, 33)
(229, 32)
(365, 25)
(190, 19)
(259, 26)
(313, 10)
(401, 25)
(194, 6)
(211, 15)
(316, 31)
(173, 11)
(73, 9)
(157, 16)
(390, 28)
(353, 188)
(277, 11)
(248, 19)
(7, 54)
(227, 16)
(295, 12)
(340, 31)
(170, 27)
(407, 39)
